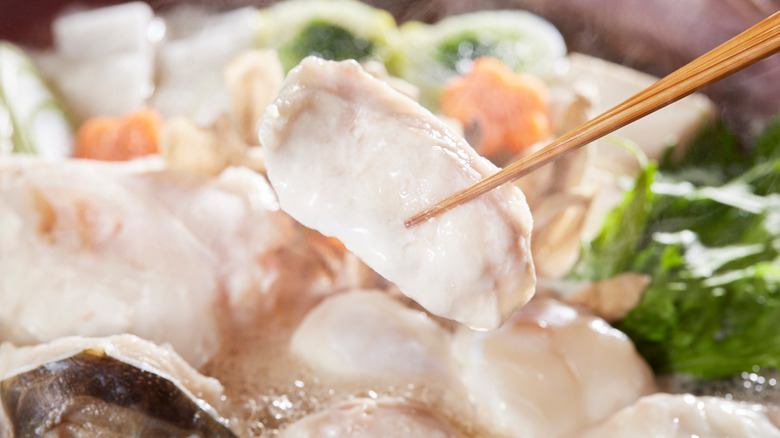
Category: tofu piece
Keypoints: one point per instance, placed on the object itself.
(607, 84)
(611, 84)
(353, 158)
(191, 63)
(103, 59)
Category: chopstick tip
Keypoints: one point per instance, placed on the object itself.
(416, 219)
(432, 211)
(423, 216)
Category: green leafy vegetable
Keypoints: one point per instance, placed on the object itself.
(712, 159)
(457, 52)
(31, 119)
(431, 55)
(466, 46)
(707, 229)
(330, 29)
(327, 41)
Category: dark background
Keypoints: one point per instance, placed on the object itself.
(656, 36)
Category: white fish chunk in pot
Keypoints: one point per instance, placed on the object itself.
(116, 386)
(550, 371)
(82, 253)
(684, 416)
(352, 158)
(368, 335)
(237, 217)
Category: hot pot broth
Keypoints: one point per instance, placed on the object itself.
(195, 239)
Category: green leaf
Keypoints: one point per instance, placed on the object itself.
(711, 159)
(611, 251)
(325, 40)
(708, 328)
(32, 120)
(707, 229)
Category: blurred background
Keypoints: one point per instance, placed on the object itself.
(655, 36)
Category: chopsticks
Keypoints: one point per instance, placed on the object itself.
(756, 43)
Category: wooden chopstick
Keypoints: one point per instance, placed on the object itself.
(749, 47)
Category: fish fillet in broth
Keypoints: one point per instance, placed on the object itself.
(368, 335)
(685, 415)
(367, 339)
(550, 371)
(353, 158)
(83, 253)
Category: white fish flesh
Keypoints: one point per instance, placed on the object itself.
(550, 371)
(83, 254)
(368, 335)
(684, 416)
(129, 249)
(352, 158)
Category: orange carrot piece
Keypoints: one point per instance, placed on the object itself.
(336, 243)
(509, 109)
(109, 139)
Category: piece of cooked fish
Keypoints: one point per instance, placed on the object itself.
(82, 253)
(142, 250)
(550, 371)
(685, 415)
(352, 158)
(368, 335)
